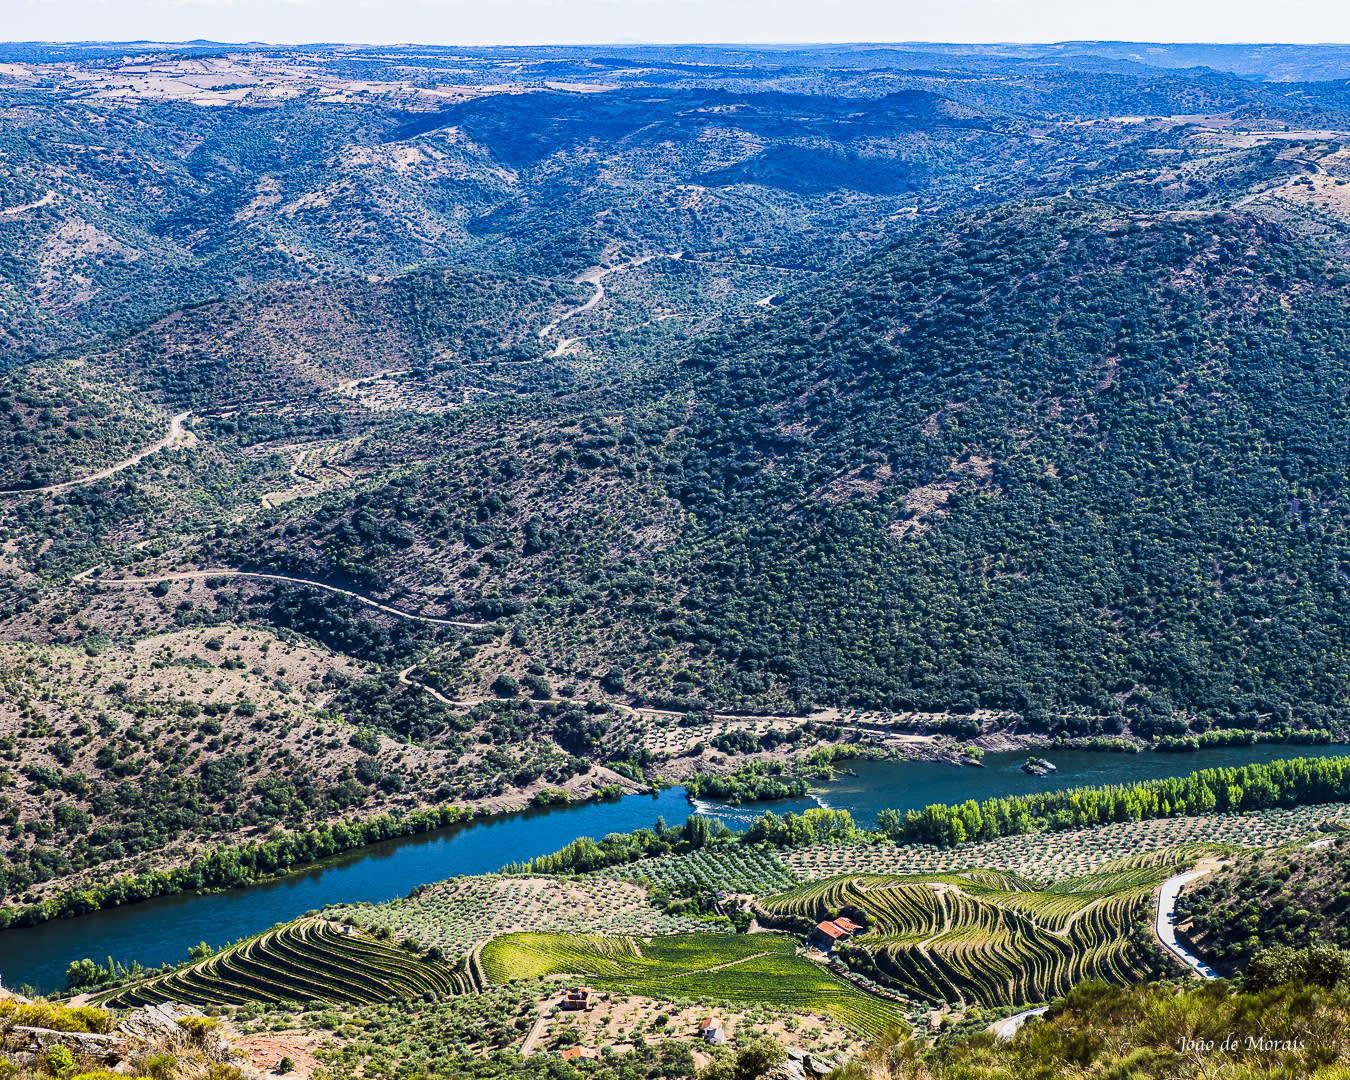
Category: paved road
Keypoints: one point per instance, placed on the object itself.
(1006, 1029)
(198, 575)
(176, 435)
(1166, 930)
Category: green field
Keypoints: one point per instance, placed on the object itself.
(308, 960)
(991, 938)
(761, 969)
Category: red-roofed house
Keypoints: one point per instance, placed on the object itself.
(828, 934)
(711, 1030)
(849, 926)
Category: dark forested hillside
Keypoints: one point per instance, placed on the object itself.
(1051, 456)
(1053, 459)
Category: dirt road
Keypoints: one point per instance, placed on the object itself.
(197, 575)
(177, 435)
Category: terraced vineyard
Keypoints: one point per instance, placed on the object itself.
(1054, 856)
(740, 969)
(308, 960)
(991, 938)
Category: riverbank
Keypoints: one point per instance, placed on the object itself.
(420, 848)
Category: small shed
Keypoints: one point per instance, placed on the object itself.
(577, 999)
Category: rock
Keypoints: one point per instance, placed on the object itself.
(791, 1069)
(152, 1020)
(39, 1040)
(1037, 766)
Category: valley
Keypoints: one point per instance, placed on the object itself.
(478, 523)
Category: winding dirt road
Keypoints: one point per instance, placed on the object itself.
(46, 200)
(403, 677)
(177, 435)
(198, 575)
(596, 277)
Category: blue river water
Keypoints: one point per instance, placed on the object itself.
(163, 929)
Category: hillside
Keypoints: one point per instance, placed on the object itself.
(1005, 465)
(1291, 897)
(1012, 465)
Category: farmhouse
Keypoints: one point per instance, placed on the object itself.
(574, 1052)
(828, 934)
(711, 1030)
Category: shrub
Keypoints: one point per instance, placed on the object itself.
(160, 1066)
(198, 1027)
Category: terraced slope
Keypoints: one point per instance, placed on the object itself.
(308, 960)
(754, 968)
(986, 937)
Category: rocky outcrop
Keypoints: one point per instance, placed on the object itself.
(153, 1028)
(158, 1021)
(801, 1065)
(35, 1040)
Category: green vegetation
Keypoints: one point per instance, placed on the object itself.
(1234, 790)
(1289, 897)
(739, 968)
(1297, 782)
(232, 866)
(309, 960)
(734, 869)
(1146, 1032)
(866, 414)
(752, 782)
(454, 915)
(1046, 857)
(987, 938)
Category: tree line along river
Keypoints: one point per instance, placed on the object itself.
(163, 929)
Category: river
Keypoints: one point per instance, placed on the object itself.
(912, 785)
(163, 929)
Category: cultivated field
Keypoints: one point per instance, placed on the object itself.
(740, 969)
(734, 870)
(456, 914)
(986, 937)
(1055, 856)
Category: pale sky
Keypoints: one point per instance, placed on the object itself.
(520, 22)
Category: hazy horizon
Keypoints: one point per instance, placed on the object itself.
(671, 22)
